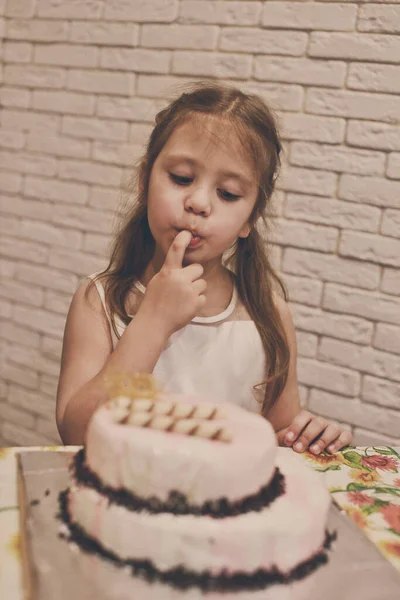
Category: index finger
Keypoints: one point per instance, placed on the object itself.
(176, 252)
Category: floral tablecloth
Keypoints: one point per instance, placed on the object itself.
(363, 481)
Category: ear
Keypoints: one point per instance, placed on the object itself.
(245, 231)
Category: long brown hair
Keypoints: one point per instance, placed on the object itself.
(134, 245)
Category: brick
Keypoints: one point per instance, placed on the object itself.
(10, 226)
(48, 385)
(335, 158)
(117, 153)
(104, 33)
(277, 95)
(14, 140)
(300, 70)
(161, 86)
(36, 30)
(210, 64)
(387, 337)
(34, 76)
(328, 267)
(310, 15)
(93, 128)
(252, 39)
(101, 82)
(40, 320)
(33, 401)
(136, 60)
(303, 289)
(15, 98)
(49, 234)
(374, 248)
(346, 215)
(127, 109)
(381, 392)
(10, 182)
(139, 133)
(391, 281)
(328, 377)
(307, 344)
(70, 9)
(379, 19)
(371, 305)
(17, 291)
(343, 327)
(391, 223)
(24, 207)
(354, 412)
(302, 235)
(374, 77)
(369, 190)
(59, 191)
(307, 181)
(47, 427)
(18, 52)
(363, 358)
(379, 136)
(90, 172)
(64, 102)
(46, 277)
(58, 146)
(76, 262)
(66, 55)
(12, 333)
(19, 436)
(177, 36)
(20, 8)
(5, 309)
(141, 11)
(355, 46)
(56, 303)
(364, 437)
(104, 198)
(7, 267)
(16, 416)
(26, 377)
(393, 168)
(97, 244)
(36, 253)
(84, 219)
(357, 105)
(30, 121)
(220, 12)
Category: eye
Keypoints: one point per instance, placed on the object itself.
(228, 196)
(180, 180)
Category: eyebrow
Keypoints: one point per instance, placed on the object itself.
(230, 174)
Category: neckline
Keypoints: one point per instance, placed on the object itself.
(214, 318)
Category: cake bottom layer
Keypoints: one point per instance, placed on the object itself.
(280, 536)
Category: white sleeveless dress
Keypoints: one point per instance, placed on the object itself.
(219, 357)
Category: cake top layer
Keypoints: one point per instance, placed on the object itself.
(153, 446)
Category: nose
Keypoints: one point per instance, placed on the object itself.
(198, 202)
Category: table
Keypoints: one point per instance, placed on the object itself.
(363, 481)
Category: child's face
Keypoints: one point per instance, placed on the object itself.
(201, 181)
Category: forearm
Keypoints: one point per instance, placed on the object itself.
(137, 351)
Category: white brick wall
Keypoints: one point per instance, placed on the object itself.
(81, 83)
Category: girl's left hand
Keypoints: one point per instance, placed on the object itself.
(308, 431)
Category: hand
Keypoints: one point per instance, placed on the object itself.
(176, 293)
(308, 431)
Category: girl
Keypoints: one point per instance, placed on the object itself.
(168, 304)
